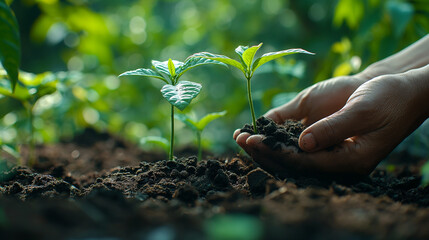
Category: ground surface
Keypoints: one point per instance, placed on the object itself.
(100, 187)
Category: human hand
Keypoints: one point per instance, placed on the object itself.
(318, 101)
(375, 119)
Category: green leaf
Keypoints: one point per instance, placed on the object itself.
(209, 118)
(221, 58)
(248, 54)
(193, 61)
(10, 51)
(187, 121)
(160, 141)
(10, 150)
(349, 11)
(163, 68)
(145, 73)
(171, 68)
(273, 55)
(181, 94)
(241, 49)
(31, 87)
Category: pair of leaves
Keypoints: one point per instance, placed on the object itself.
(202, 123)
(10, 51)
(170, 70)
(178, 94)
(247, 54)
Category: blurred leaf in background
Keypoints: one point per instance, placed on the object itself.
(10, 51)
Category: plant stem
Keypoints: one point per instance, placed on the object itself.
(171, 156)
(249, 96)
(200, 149)
(31, 154)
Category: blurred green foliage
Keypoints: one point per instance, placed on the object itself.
(10, 51)
(87, 44)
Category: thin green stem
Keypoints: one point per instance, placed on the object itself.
(200, 149)
(32, 145)
(249, 96)
(171, 156)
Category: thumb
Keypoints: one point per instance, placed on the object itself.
(330, 131)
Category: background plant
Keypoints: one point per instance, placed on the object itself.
(178, 93)
(198, 126)
(248, 67)
(29, 90)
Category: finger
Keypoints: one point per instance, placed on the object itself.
(236, 133)
(334, 129)
(343, 159)
(263, 155)
(346, 158)
(241, 141)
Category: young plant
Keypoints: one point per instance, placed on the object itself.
(247, 65)
(29, 89)
(178, 93)
(199, 125)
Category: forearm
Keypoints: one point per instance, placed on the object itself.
(412, 57)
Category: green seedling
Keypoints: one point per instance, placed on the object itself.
(178, 93)
(198, 125)
(29, 89)
(247, 65)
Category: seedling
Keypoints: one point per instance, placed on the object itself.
(198, 126)
(28, 91)
(247, 66)
(178, 93)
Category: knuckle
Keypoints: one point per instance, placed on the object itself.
(328, 130)
(304, 99)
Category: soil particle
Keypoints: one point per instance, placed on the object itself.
(221, 180)
(257, 179)
(277, 135)
(186, 193)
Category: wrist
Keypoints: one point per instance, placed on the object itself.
(372, 71)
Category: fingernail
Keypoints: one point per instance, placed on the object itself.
(308, 142)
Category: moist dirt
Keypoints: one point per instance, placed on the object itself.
(277, 134)
(98, 186)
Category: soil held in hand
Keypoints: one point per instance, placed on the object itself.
(277, 134)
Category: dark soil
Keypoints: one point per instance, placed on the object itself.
(277, 134)
(105, 188)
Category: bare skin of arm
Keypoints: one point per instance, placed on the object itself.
(364, 116)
